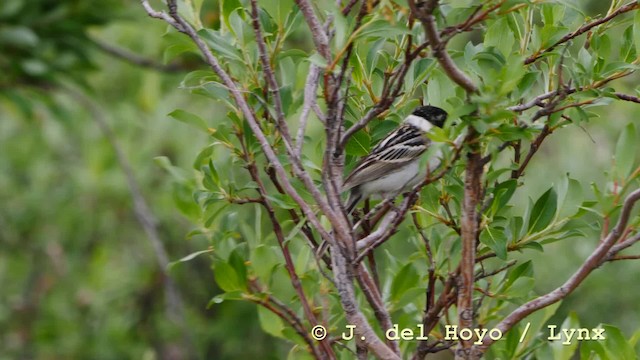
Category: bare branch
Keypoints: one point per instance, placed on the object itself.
(284, 248)
(623, 245)
(161, 15)
(270, 77)
(469, 227)
(533, 148)
(476, 17)
(344, 274)
(285, 313)
(320, 38)
(374, 298)
(310, 88)
(269, 152)
(592, 262)
(424, 12)
(624, 257)
(626, 97)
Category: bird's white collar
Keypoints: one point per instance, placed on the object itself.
(419, 122)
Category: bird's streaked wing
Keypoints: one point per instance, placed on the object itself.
(403, 145)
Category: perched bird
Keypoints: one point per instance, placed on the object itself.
(393, 165)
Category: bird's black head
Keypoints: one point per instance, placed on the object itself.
(433, 114)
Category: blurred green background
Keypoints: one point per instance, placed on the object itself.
(78, 276)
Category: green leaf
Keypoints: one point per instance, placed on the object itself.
(520, 287)
(190, 257)
(263, 261)
(560, 350)
(573, 198)
(204, 156)
(543, 211)
(236, 260)
(405, 279)
(220, 44)
(359, 144)
(234, 295)
(18, 36)
(283, 201)
(626, 149)
(496, 240)
(190, 119)
(616, 346)
(318, 60)
(270, 322)
(380, 29)
(499, 35)
(226, 277)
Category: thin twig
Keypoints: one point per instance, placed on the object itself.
(319, 36)
(582, 29)
(270, 77)
(626, 97)
(591, 263)
(180, 24)
(310, 88)
(425, 14)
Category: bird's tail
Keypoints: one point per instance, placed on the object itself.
(354, 198)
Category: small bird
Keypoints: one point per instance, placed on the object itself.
(393, 165)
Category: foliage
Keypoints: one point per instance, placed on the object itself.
(524, 81)
(83, 283)
(45, 41)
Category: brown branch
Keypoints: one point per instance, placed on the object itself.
(181, 25)
(319, 36)
(424, 12)
(306, 230)
(347, 9)
(475, 18)
(624, 257)
(626, 97)
(162, 16)
(273, 86)
(286, 314)
(584, 28)
(432, 317)
(391, 89)
(284, 248)
(533, 148)
(431, 282)
(592, 262)
(469, 227)
(483, 274)
(374, 298)
(623, 245)
(344, 275)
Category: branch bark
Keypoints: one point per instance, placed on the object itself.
(583, 29)
(597, 257)
(469, 227)
(424, 12)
